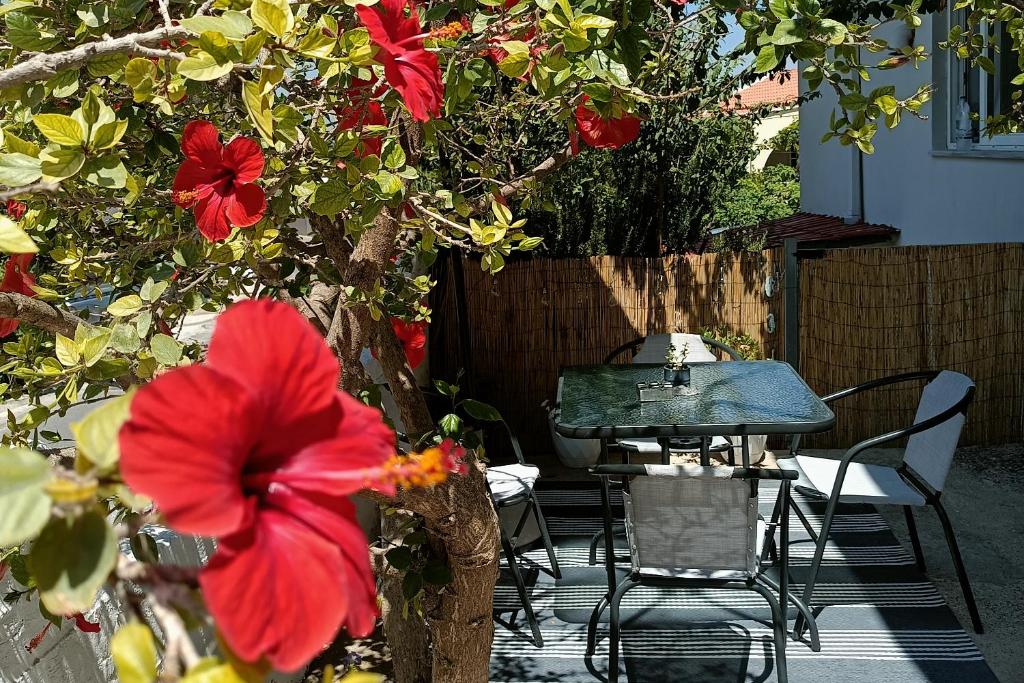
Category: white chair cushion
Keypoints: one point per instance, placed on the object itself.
(509, 481)
(656, 345)
(863, 483)
(650, 445)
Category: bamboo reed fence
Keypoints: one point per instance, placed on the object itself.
(868, 313)
(864, 313)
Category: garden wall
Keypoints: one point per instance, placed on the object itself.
(864, 313)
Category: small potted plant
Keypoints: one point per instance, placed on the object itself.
(677, 372)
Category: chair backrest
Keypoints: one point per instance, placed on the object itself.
(930, 453)
(692, 520)
(655, 347)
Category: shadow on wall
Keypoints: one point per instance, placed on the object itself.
(538, 315)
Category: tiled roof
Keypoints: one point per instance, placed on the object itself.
(775, 90)
(813, 227)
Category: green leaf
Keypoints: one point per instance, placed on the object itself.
(480, 410)
(330, 198)
(106, 171)
(151, 291)
(19, 169)
(60, 129)
(202, 66)
(589, 21)
(273, 16)
(71, 559)
(515, 64)
(126, 305)
(24, 505)
(233, 25)
(394, 155)
(450, 424)
(58, 164)
(138, 70)
(389, 183)
(67, 351)
(16, 144)
(93, 344)
(13, 239)
(767, 59)
(97, 435)
(134, 651)
(400, 558)
(166, 349)
(258, 106)
(109, 134)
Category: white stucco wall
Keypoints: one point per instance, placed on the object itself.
(933, 198)
(766, 129)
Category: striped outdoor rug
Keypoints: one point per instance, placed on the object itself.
(882, 620)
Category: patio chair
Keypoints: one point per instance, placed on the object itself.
(695, 526)
(510, 486)
(918, 481)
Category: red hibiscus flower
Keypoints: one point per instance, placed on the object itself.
(408, 67)
(258, 448)
(414, 340)
(17, 279)
(16, 209)
(217, 181)
(604, 133)
(363, 111)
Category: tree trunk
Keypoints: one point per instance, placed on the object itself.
(462, 526)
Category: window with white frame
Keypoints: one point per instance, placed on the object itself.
(984, 94)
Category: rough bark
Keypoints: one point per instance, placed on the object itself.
(43, 66)
(37, 313)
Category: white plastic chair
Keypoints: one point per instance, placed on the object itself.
(918, 480)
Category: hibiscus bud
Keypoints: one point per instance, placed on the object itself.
(328, 32)
(557, 50)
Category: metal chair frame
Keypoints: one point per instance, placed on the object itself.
(634, 346)
(510, 543)
(757, 583)
(931, 496)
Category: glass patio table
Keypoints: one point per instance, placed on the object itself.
(734, 398)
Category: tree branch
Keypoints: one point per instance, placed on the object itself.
(38, 313)
(35, 188)
(539, 172)
(44, 66)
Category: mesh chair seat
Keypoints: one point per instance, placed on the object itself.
(864, 483)
(511, 482)
(711, 574)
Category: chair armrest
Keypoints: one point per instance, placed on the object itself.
(881, 382)
(714, 343)
(929, 375)
(628, 346)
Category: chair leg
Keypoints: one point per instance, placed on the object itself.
(524, 596)
(613, 639)
(819, 553)
(595, 617)
(915, 540)
(779, 625)
(542, 523)
(958, 563)
(594, 542)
